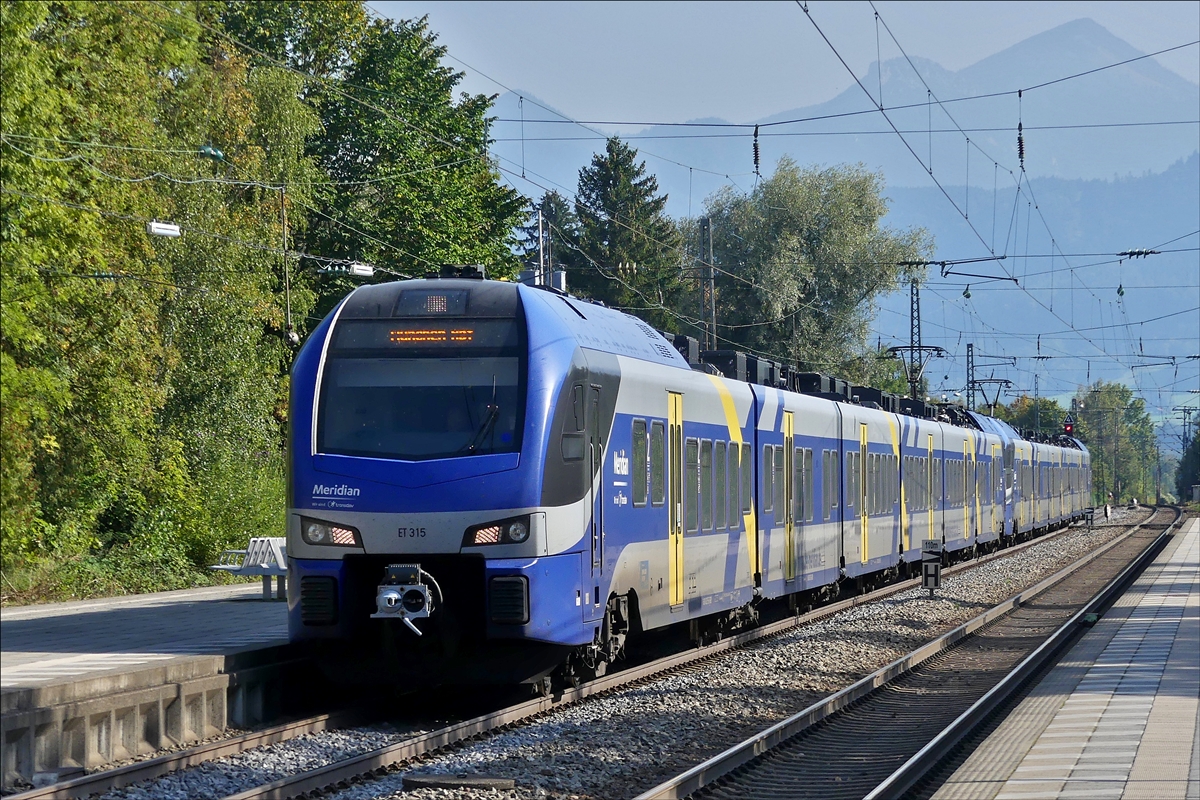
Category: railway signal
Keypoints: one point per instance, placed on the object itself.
(931, 565)
(1069, 425)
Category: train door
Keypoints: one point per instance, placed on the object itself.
(596, 465)
(997, 490)
(931, 495)
(789, 488)
(675, 504)
(968, 487)
(864, 520)
(596, 454)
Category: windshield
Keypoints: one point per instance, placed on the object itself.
(402, 392)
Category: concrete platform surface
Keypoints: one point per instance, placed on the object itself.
(56, 642)
(1119, 716)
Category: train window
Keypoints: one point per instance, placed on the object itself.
(824, 484)
(657, 471)
(904, 477)
(577, 407)
(734, 485)
(638, 472)
(834, 476)
(909, 474)
(780, 505)
(747, 473)
(880, 486)
(768, 481)
(884, 493)
(895, 461)
(809, 500)
(719, 487)
(873, 473)
(706, 485)
(851, 480)
(691, 478)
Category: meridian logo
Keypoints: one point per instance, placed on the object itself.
(321, 490)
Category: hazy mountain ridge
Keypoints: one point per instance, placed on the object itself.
(1142, 91)
(1102, 190)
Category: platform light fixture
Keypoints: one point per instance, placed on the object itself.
(168, 229)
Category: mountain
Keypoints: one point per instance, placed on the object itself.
(1142, 91)
(1100, 190)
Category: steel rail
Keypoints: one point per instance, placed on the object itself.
(736, 756)
(379, 761)
(169, 762)
(413, 748)
(932, 754)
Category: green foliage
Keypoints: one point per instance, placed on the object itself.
(560, 235)
(628, 252)
(1119, 434)
(804, 257)
(415, 189)
(1187, 474)
(143, 380)
(1039, 415)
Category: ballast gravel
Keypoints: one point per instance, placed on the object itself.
(628, 741)
(216, 779)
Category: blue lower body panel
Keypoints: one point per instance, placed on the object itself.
(556, 599)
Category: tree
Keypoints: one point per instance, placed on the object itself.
(1187, 474)
(629, 249)
(560, 235)
(1119, 434)
(1040, 415)
(411, 188)
(313, 38)
(802, 259)
(142, 378)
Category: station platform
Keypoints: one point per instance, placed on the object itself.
(86, 683)
(55, 642)
(1119, 716)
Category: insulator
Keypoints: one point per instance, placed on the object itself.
(756, 154)
(1021, 145)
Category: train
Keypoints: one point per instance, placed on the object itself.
(496, 482)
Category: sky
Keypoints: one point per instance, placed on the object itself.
(742, 61)
(681, 61)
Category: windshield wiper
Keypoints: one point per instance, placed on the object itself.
(486, 425)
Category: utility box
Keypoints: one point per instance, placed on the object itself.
(731, 363)
(758, 370)
(688, 347)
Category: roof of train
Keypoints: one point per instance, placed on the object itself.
(592, 325)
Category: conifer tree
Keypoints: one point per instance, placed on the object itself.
(629, 248)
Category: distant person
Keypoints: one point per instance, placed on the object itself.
(1107, 510)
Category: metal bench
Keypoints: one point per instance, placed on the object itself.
(266, 556)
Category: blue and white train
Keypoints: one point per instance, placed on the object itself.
(490, 481)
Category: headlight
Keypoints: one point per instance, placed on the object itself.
(513, 530)
(314, 531)
(518, 531)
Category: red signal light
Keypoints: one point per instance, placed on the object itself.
(1068, 429)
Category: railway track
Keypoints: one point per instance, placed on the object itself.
(415, 748)
(879, 737)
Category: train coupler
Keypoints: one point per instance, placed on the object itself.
(405, 595)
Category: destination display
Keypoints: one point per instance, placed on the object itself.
(400, 335)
